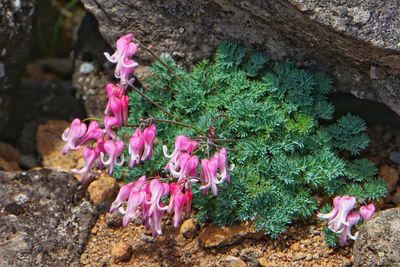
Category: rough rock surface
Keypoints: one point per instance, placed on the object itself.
(45, 219)
(49, 145)
(92, 72)
(379, 240)
(214, 236)
(103, 190)
(15, 35)
(356, 42)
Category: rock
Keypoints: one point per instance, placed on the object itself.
(16, 20)
(263, 262)
(396, 197)
(146, 238)
(378, 241)
(28, 162)
(121, 252)
(390, 175)
(114, 219)
(8, 166)
(295, 246)
(189, 228)
(231, 261)
(103, 190)
(92, 72)
(250, 255)
(395, 157)
(50, 145)
(214, 236)
(299, 256)
(8, 152)
(45, 219)
(42, 101)
(358, 48)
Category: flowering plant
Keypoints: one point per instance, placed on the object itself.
(237, 110)
(104, 148)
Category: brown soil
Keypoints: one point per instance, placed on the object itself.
(302, 245)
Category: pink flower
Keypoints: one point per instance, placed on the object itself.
(185, 167)
(109, 124)
(125, 48)
(337, 217)
(72, 135)
(366, 212)
(136, 199)
(136, 145)
(155, 209)
(125, 191)
(149, 135)
(90, 155)
(182, 144)
(177, 202)
(93, 132)
(113, 149)
(351, 220)
(209, 168)
(222, 157)
(125, 71)
(118, 103)
(122, 196)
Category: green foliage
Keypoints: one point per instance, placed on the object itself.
(282, 153)
(331, 238)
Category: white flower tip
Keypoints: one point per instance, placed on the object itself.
(232, 167)
(165, 151)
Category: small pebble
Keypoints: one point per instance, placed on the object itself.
(121, 252)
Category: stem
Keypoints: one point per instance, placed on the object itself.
(176, 122)
(150, 100)
(159, 60)
(92, 119)
(223, 140)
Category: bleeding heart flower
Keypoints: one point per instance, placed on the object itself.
(125, 48)
(90, 155)
(149, 135)
(93, 132)
(351, 220)
(366, 212)
(183, 144)
(113, 149)
(111, 123)
(185, 167)
(136, 146)
(73, 134)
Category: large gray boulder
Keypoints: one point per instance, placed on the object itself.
(16, 21)
(378, 243)
(45, 219)
(356, 42)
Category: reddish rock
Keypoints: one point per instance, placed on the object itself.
(390, 175)
(9, 153)
(396, 197)
(49, 145)
(103, 190)
(189, 228)
(121, 252)
(215, 236)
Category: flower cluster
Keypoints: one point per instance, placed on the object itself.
(144, 201)
(144, 198)
(103, 148)
(343, 217)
